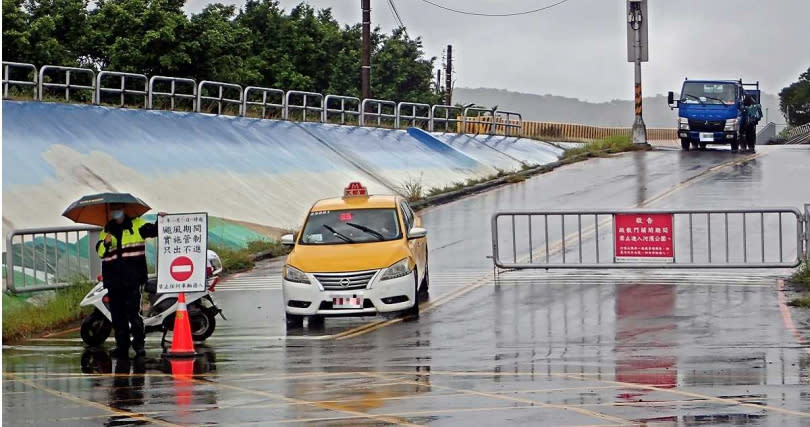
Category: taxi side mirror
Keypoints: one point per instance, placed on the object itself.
(417, 233)
(288, 240)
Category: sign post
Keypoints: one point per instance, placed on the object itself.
(637, 52)
(182, 252)
(644, 237)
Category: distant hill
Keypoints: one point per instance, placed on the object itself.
(616, 113)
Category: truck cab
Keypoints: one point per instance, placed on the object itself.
(713, 112)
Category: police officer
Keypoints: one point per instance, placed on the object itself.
(122, 249)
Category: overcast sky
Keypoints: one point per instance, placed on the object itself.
(578, 49)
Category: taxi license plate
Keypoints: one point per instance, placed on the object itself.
(706, 136)
(347, 302)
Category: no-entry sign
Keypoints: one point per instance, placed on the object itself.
(182, 252)
(644, 237)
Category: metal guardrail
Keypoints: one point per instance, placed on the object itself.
(414, 115)
(304, 105)
(172, 94)
(220, 99)
(509, 121)
(445, 118)
(49, 258)
(122, 89)
(478, 119)
(343, 110)
(370, 112)
(380, 113)
(264, 103)
(8, 67)
(67, 85)
(587, 239)
(798, 135)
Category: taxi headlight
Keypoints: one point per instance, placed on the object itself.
(400, 268)
(292, 274)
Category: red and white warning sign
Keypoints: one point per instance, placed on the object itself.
(644, 237)
(182, 252)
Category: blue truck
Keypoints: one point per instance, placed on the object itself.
(715, 112)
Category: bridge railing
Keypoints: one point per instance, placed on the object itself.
(272, 100)
(349, 106)
(176, 93)
(309, 101)
(122, 89)
(40, 259)
(172, 94)
(414, 114)
(221, 99)
(67, 85)
(30, 70)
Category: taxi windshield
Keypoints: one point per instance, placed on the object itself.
(351, 226)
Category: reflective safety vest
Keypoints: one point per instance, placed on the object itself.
(132, 243)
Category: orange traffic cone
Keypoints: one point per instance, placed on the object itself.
(182, 344)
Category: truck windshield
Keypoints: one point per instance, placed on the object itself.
(351, 226)
(708, 93)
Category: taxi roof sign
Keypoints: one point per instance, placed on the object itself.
(355, 189)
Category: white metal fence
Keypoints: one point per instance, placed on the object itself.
(74, 84)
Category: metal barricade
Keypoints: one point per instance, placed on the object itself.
(480, 123)
(304, 106)
(414, 115)
(445, 118)
(48, 258)
(172, 94)
(122, 90)
(509, 121)
(67, 85)
(343, 110)
(729, 238)
(220, 99)
(382, 106)
(10, 67)
(264, 103)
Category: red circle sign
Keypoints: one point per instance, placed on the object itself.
(181, 268)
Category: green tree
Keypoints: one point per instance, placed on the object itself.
(400, 72)
(794, 101)
(16, 46)
(140, 36)
(46, 32)
(219, 46)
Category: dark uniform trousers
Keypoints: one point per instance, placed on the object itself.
(125, 308)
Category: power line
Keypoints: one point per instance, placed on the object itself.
(395, 13)
(525, 12)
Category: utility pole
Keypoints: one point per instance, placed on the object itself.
(365, 71)
(448, 76)
(439, 81)
(637, 52)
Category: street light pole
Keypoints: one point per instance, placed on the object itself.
(365, 70)
(635, 19)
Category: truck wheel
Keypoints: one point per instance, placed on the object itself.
(95, 329)
(684, 144)
(702, 146)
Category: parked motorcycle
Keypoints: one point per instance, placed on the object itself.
(159, 315)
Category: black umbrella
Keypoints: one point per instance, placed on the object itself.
(95, 208)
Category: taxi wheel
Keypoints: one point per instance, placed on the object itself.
(294, 320)
(413, 312)
(423, 288)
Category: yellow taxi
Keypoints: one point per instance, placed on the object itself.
(357, 255)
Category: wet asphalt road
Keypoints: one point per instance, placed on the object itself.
(535, 348)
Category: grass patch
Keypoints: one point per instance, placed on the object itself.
(802, 275)
(801, 302)
(22, 319)
(412, 189)
(602, 147)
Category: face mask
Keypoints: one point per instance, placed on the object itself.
(117, 215)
